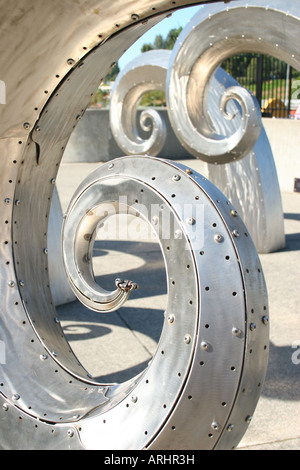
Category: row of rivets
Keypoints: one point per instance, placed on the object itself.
(7, 201)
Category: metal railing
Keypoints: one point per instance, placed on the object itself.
(275, 84)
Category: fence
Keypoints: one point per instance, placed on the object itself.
(275, 84)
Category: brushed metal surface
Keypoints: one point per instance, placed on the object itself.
(251, 183)
(146, 73)
(215, 281)
(212, 35)
(60, 289)
(53, 57)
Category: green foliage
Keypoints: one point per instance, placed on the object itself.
(100, 98)
(147, 47)
(245, 67)
(154, 98)
(158, 98)
(161, 43)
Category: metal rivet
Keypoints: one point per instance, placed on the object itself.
(189, 172)
(17, 202)
(234, 213)
(215, 426)
(21, 283)
(52, 181)
(155, 220)
(248, 419)
(45, 251)
(265, 320)
(187, 339)
(70, 61)
(236, 332)
(190, 221)
(57, 320)
(16, 397)
(26, 125)
(110, 167)
(252, 327)
(236, 233)
(37, 128)
(135, 17)
(219, 238)
(70, 433)
(204, 345)
(134, 399)
(54, 353)
(176, 178)
(11, 284)
(7, 200)
(78, 117)
(178, 234)
(230, 428)
(5, 407)
(43, 357)
(171, 319)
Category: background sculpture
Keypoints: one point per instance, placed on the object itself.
(48, 400)
(146, 73)
(251, 182)
(252, 185)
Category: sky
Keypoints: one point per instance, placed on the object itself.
(179, 18)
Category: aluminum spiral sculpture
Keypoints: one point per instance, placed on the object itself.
(201, 392)
(208, 39)
(147, 73)
(250, 183)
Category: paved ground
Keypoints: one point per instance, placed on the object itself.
(119, 345)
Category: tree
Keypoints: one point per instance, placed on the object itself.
(161, 43)
(147, 47)
(172, 38)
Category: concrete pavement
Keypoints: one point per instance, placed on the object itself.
(117, 346)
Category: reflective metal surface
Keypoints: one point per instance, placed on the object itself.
(214, 34)
(53, 56)
(251, 184)
(146, 73)
(213, 272)
(59, 285)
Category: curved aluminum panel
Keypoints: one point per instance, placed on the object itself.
(213, 35)
(145, 73)
(187, 396)
(251, 184)
(60, 287)
(53, 56)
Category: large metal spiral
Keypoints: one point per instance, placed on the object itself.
(250, 183)
(205, 379)
(145, 73)
(213, 35)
